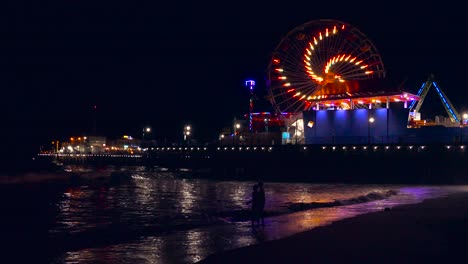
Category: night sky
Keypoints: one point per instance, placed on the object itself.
(166, 65)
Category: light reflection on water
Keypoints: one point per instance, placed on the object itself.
(152, 199)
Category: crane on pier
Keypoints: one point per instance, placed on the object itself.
(451, 111)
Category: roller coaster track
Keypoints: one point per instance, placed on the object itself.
(449, 108)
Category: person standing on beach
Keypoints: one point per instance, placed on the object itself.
(255, 201)
(261, 202)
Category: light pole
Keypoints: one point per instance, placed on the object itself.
(371, 120)
(236, 128)
(187, 132)
(146, 130)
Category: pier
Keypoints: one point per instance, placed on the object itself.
(368, 163)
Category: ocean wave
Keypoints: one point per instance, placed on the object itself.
(245, 214)
(373, 196)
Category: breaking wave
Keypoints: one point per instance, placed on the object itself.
(245, 214)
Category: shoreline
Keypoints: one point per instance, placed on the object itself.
(433, 230)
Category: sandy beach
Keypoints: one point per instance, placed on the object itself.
(434, 231)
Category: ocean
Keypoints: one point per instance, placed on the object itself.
(160, 217)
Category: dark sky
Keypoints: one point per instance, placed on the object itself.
(165, 65)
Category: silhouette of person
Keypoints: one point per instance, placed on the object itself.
(255, 209)
(261, 202)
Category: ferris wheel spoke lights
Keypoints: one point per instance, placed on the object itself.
(318, 54)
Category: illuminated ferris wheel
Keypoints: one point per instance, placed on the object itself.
(319, 58)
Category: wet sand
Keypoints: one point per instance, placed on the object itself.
(434, 231)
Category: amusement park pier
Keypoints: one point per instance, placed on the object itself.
(336, 117)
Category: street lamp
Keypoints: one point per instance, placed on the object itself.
(236, 127)
(371, 120)
(146, 130)
(187, 132)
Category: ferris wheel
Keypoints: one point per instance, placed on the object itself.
(317, 59)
